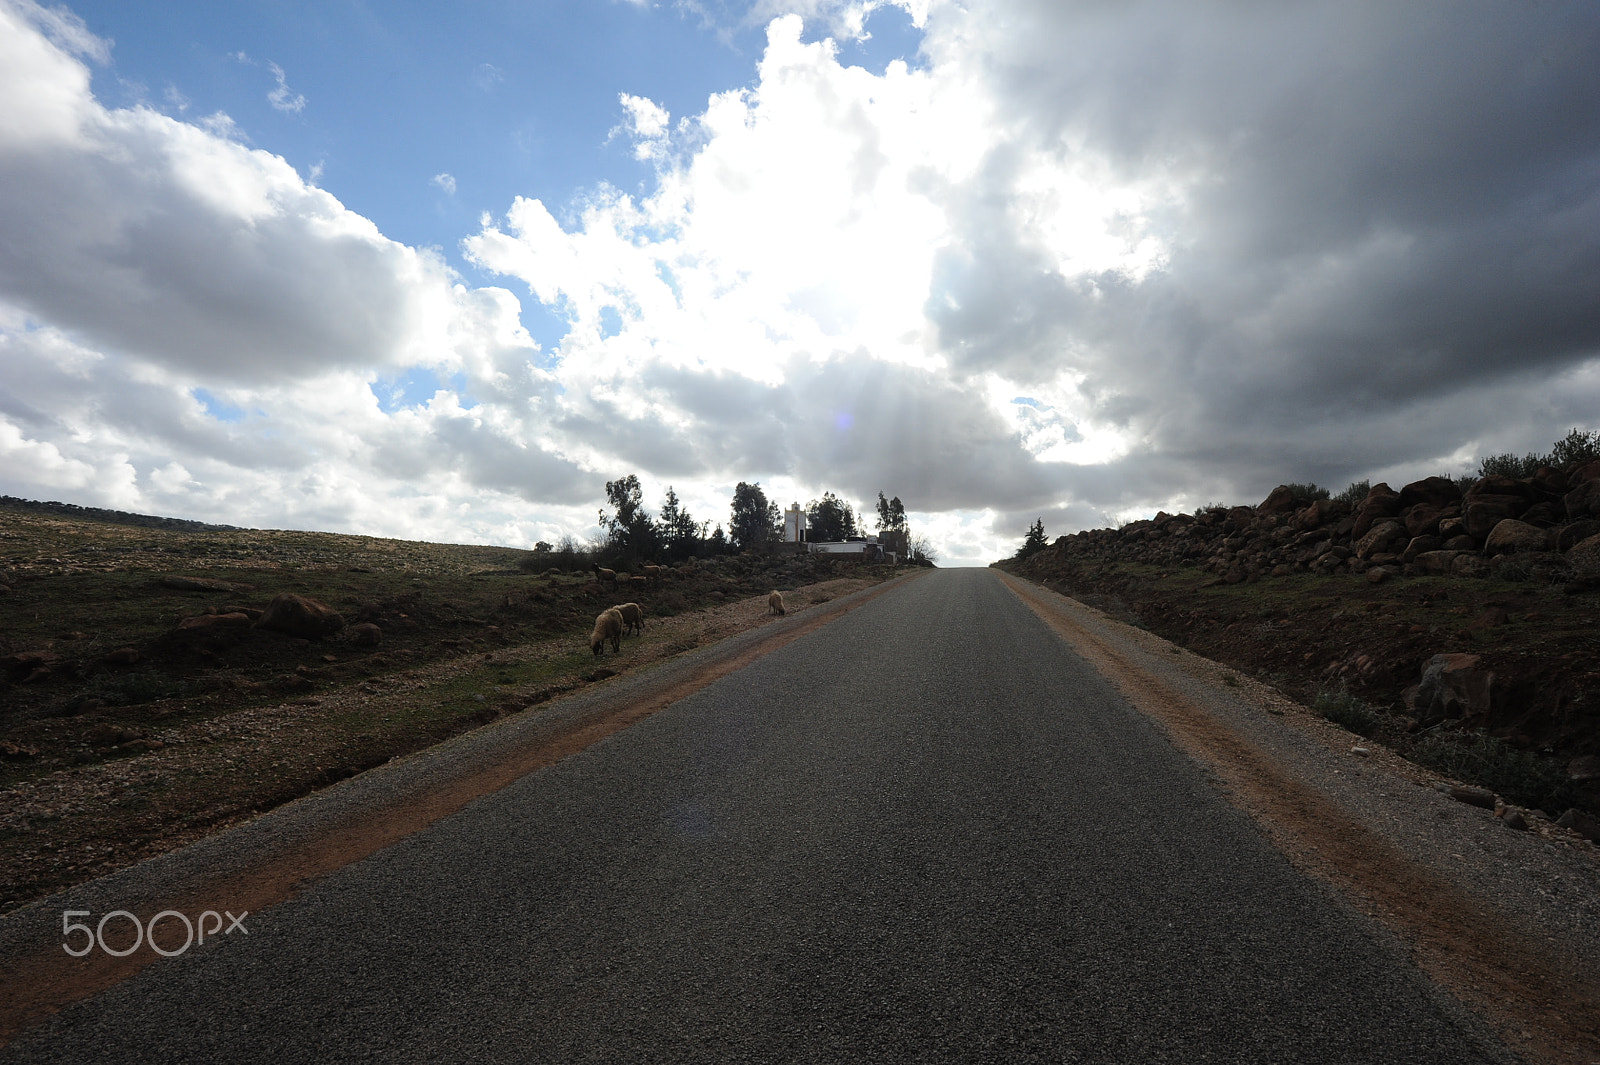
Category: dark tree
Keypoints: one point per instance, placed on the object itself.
(629, 531)
(754, 521)
(891, 514)
(717, 542)
(830, 519)
(679, 533)
(1034, 542)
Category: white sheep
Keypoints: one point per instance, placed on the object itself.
(608, 626)
(775, 603)
(601, 574)
(632, 615)
(653, 572)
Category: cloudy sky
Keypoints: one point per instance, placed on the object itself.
(440, 272)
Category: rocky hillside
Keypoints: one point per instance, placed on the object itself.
(1443, 618)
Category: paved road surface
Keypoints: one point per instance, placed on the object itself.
(924, 832)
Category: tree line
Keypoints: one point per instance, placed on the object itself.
(631, 534)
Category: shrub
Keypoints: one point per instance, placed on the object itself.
(1355, 493)
(1518, 776)
(1576, 448)
(1509, 465)
(1348, 712)
(1306, 493)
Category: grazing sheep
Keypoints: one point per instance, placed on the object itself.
(608, 626)
(636, 579)
(775, 603)
(653, 572)
(632, 615)
(603, 574)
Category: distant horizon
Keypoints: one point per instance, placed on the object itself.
(439, 275)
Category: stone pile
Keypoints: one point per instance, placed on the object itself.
(1548, 525)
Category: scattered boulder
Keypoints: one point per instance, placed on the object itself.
(1584, 767)
(1581, 823)
(25, 663)
(207, 625)
(1511, 536)
(301, 617)
(1472, 796)
(1452, 686)
(1492, 618)
(108, 735)
(204, 584)
(366, 634)
(1512, 818)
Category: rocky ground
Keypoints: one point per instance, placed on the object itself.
(157, 680)
(1462, 629)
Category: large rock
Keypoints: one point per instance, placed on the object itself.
(1589, 471)
(1570, 536)
(1583, 501)
(1419, 545)
(1485, 512)
(1551, 481)
(1381, 502)
(1434, 491)
(1319, 513)
(1510, 537)
(296, 615)
(1423, 519)
(1496, 485)
(1281, 500)
(1436, 563)
(1381, 538)
(1584, 558)
(212, 626)
(1452, 686)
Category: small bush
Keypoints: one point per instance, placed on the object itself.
(1306, 493)
(1348, 712)
(1355, 493)
(1576, 448)
(1518, 776)
(1509, 465)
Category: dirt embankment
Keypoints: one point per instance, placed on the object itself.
(1300, 598)
(142, 706)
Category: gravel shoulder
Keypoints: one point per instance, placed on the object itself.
(1507, 920)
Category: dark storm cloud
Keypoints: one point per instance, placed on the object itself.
(1381, 207)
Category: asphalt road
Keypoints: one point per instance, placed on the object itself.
(924, 832)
